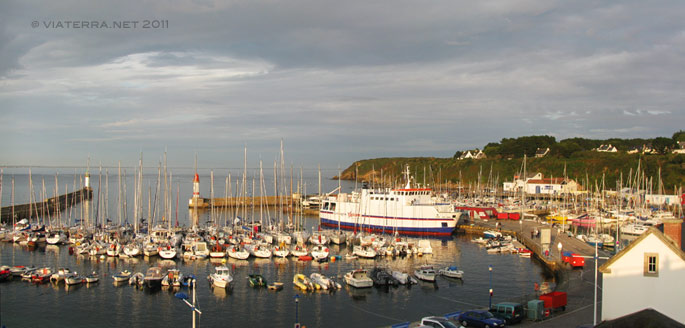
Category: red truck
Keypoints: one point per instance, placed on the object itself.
(574, 260)
(554, 300)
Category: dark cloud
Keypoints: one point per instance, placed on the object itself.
(338, 80)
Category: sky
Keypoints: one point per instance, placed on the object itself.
(337, 81)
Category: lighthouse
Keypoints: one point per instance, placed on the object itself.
(196, 187)
(87, 181)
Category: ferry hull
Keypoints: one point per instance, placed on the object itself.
(438, 231)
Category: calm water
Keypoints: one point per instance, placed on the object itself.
(26, 305)
(103, 304)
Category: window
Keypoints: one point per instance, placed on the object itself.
(651, 267)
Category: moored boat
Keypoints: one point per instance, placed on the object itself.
(221, 278)
(425, 273)
(451, 272)
(358, 278)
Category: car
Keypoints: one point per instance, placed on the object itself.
(511, 313)
(437, 322)
(479, 318)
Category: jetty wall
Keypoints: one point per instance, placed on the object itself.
(45, 207)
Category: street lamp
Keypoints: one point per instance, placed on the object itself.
(184, 297)
(490, 269)
(559, 247)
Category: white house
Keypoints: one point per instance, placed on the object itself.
(551, 186)
(680, 149)
(541, 152)
(649, 273)
(607, 149)
(476, 154)
(536, 184)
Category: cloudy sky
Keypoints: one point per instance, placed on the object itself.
(337, 80)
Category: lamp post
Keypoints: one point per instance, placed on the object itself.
(559, 247)
(490, 303)
(184, 298)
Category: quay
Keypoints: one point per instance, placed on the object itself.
(578, 283)
(45, 207)
(239, 201)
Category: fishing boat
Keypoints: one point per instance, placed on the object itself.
(425, 273)
(256, 280)
(122, 276)
(358, 279)
(302, 282)
(221, 278)
(408, 210)
(451, 272)
(153, 277)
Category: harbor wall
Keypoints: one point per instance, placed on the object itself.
(45, 207)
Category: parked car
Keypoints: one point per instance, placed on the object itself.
(511, 313)
(479, 318)
(437, 322)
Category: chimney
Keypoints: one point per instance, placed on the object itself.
(673, 229)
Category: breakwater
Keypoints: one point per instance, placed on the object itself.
(45, 207)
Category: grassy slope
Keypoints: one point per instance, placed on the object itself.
(592, 164)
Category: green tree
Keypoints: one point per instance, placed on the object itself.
(679, 136)
(663, 145)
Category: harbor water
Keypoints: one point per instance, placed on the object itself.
(103, 304)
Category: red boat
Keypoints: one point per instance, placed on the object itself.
(41, 275)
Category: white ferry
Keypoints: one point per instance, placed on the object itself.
(408, 211)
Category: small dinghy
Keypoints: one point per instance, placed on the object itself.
(256, 280)
(302, 282)
(73, 279)
(92, 278)
(276, 286)
(122, 276)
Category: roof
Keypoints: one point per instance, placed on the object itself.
(606, 267)
(541, 151)
(547, 181)
(644, 318)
